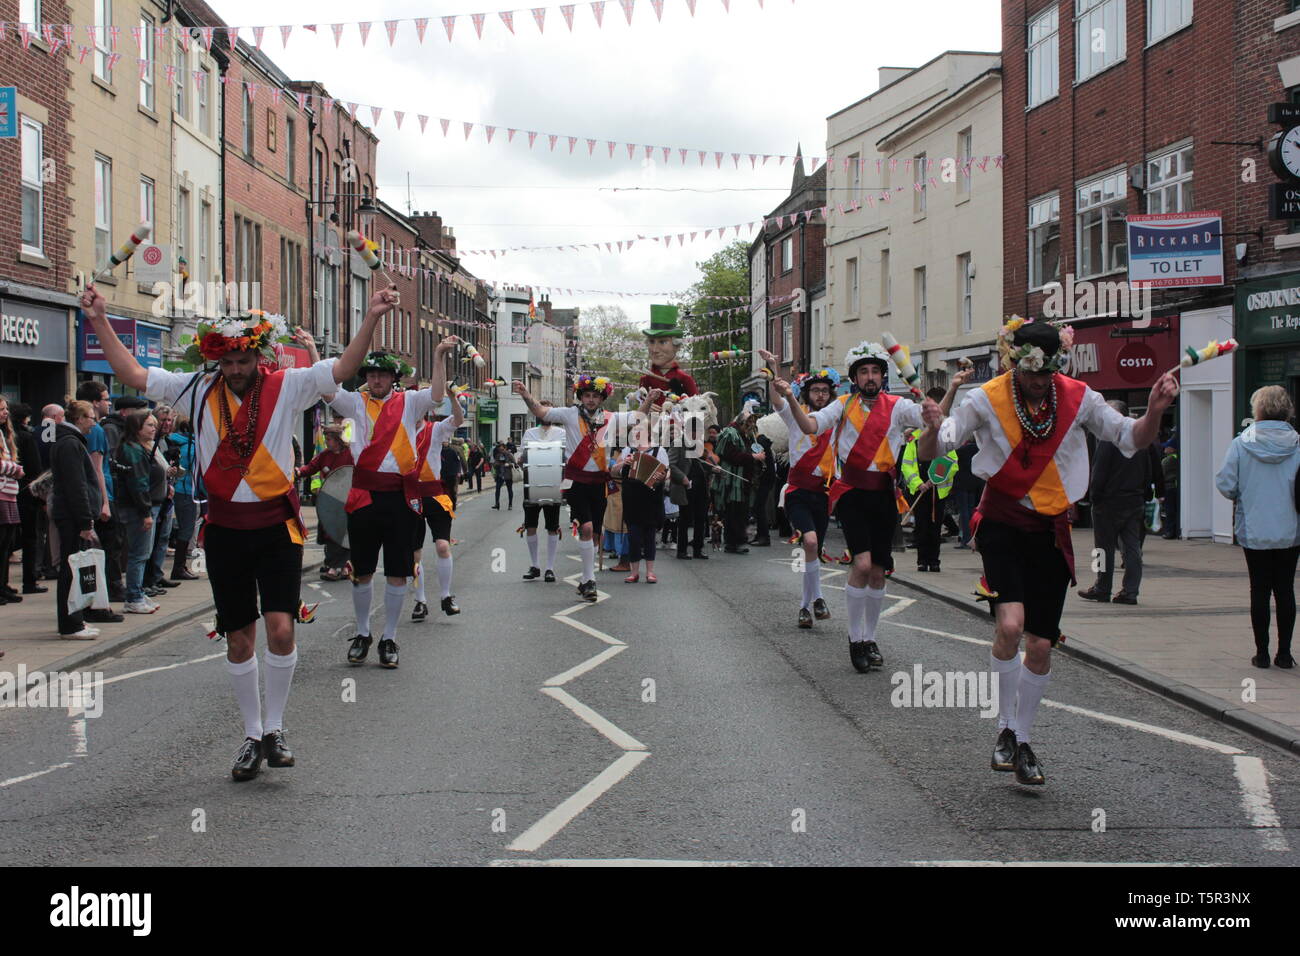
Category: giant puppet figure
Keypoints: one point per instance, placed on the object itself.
(662, 340)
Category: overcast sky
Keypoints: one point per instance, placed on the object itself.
(754, 80)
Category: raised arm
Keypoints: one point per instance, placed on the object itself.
(131, 373)
(807, 424)
(381, 303)
(457, 413)
(519, 389)
(308, 342)
(958, 380)
(438, 385)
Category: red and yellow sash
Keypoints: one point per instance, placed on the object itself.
(386, 434)
(817, 466)
(591, 446)
(871, 447)
(1039, 480)
(424, 482)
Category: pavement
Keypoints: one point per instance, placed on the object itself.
(1188, 637)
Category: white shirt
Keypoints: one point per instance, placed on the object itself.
(616, 424)
(905, 420)
(301, 389)
(353, 405)
(442, 433)
(975, 416)
(800, 441)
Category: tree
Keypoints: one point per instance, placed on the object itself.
(610, 343)
(723, 284)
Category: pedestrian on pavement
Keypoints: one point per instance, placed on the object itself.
(929, 503)
(1170, 514)
(1118, 489)
(75, 505)
(11, 526)
(476, 466)
(503, 469)
(51, 416)
(114, 426)
(140, 487)
(966, 490)
(107, 528)
(182, 441)
(1259, 474)
(155, 576)
(31, 509)
(732, 488)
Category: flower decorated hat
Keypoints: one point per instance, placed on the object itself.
(826, 376)
(587, 383)
(258, 332)
(380, 361)
(1034, 346)
(866, 352)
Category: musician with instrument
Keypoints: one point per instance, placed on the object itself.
(437, 503)
(548, 442)
(643, 470)
(245, 415)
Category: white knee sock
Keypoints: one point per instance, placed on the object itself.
(552, 545)
(811, 585)
(588, 549)
(444, 574)
(1032, 688)
(1008, 688)
(875, 598)
(279, 675)
(532, 550)
(394, 598)
(362, 595)
(243, 678)
(419, 583)
(855, 601)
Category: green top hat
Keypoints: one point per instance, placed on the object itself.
(663, 323)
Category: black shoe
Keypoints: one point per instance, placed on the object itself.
(1123, 597)
(762, 542)
(449, 605)
(1260, 660)
(550, 577)
(533, 574)
(699, 556)
(185, 574)
(277, 751)
(108, 616)
(13, 597)
(496, 507)
(420, 611)
(359, 649)
(248, 761)
(820, 610)
(736, 550)
(1028, 770)
(41, 589)
(874, 657)
(935, 568)
(858, 655)
(588, 590)
(1284, 660)
(1004, 751)
(805, 618)
(164, 583)
(1092, 594)
(153, 592)
(388, 653)
(683, 556)
(923, 567)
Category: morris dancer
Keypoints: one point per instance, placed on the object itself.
(588, 433)
(336, 455)
(542, 432)
(253, 535)
(437, 507)
(1030, 423)
(871, 427)
(380, 510)
(812, 467)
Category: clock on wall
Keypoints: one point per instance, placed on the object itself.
(1284, 153)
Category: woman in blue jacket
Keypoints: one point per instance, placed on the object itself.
(1259, 474)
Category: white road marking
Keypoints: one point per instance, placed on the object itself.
(77, 711)
(630, 862)
(1258, 802)
(31, 776)
(1176, 735)
(165, 667)
(1047, 863)
(587, 629)
(955, 637)
(901, 604)
(571, 673)
(551, 824)
(618, 737)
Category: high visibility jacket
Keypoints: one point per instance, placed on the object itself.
(912, 477)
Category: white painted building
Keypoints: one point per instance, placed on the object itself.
(509, 306)
(757, 300)
(546, 363)
(1205, 429)
(925, 263)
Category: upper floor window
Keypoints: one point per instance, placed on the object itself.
(1167, 16)
(1044, 241)
(787, 254)
(1043, 59)
(1098, 36)
(1102, 234)
(146, 54)
(965, 142)
(103, 20)
(1169, 181)
(918, 190)
(33, 202)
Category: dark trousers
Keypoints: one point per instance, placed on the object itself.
(509, 484)
(162, 531)
(693, 518)
(111, 539)
(928, 524)
(1272, 575)
(70, 541)
(966, 503)
(1169, 514)
(1119, 527)
(762, 504)
(30, 511)
(11, 536)
(735, 529)
(640, 542)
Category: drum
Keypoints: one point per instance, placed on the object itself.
(543, 472)
(331, 503)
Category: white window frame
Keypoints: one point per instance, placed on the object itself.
(203, 271)
(203, 115)
(1043, 213)
(922, 306)
(103, 20)
(249, 115)
(1159, 22)
(1116, 182)
(181, 99)
(787, 254)
(1043, 57)
(147, 90)
(1170, 172)
(787, 338)
(965, 152)
(1089, 16)
(148, 200)
(183, 223)
(33, 158)
(886, 283)
(965, 293)
(851, 281)
(918, 176)
(855, 176)
(103, 203)
(290, 146)
(29, 11)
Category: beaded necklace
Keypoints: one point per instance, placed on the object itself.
(246, 441)
(1036, 426)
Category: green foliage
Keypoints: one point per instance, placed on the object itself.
(725, 273)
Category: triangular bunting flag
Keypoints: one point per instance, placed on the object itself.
(445, 123)
(257, 36)
(364, 29)
(422, 24)
(391, 27)
(478, 19)
(276, 93)
(302, 100)
(206, 33)
(735, 158)
(510, 134)
(398, 114)
(611, 144)
(338, 32)
(508, 18)
(718, 158)
(598, 11)
(567, 11)
(468, 129)
(423, 120)
(726, 5)
(490, 131)
(284, 34)
(702, 157)
(659, 9)
(682, 155)
(539, 14)
(572, 141)
(532, 138)
(591, 147)
(627, 9)
(449, 24)
(690, 5)
(251, 87)
(649, 151)
(552, 137)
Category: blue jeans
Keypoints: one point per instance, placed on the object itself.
(140, 541)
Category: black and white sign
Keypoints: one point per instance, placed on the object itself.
(31, 331)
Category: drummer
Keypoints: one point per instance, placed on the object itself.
(436, 505)
(544, 431)
(336, 455)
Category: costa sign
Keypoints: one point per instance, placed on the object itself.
(1136, 363)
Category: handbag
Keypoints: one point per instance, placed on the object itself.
(89, 588)
(42, 485)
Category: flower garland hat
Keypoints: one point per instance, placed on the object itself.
(379, 361)
(258, 332)
(599, 384)
(1034, 346)
(866, 352)
(826, 376)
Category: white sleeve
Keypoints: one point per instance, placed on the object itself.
(165, 386)
(787, 416)
(908, 414)
(566, 416)
(1107, 424)
(307, 386)
(961, 424)
(443, 431)
(418, 403)
(829, 416)
(345, 403)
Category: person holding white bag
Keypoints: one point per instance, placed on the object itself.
(74, 504)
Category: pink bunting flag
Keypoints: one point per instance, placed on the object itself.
(753, 161)
(690, 5)
(649, 151)
(309, 26)
(138, 33)
(826, 213)
(258, 33)
(252, 91)
(364, 29)
(567, 11)
(659, 9)
(302, 100)
(421, 24)
(112, 61)
(718, 158)
(510, 135)
(206, 34)
(591, 147)
(113, 33)
(478, 19)
(702, 154)
(817, 161)
(997, 161)
(598, 11)
(338, 32)
(726, 5)
(620, 246)
(681, 238)
(552, 137)
(668, 241)
(82, 53)
(276, 94)
(449, 24)
(391, 27)
(707, 233)
(423, 120)
(144, 68)
(681, 153)
(445, 123)
(375, 111)
(508, 18)
(735, 158)
(693, 235)
(539, 14)
(490, 131)
(468, 128)
(532, 138)
(284, 34)
(611, 144)
(627, 9)
(67, 34)
(572, 142)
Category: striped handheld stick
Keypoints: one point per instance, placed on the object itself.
(727, 354)
(904, 365)
(366, 250)
(471, 354)
(126, 251)
(1197, 356)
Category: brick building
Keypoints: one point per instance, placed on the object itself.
(37, 341)
(397, 250)
(1147, 115)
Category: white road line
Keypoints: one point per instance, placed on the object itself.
(1047, 863)
(619, 738)
(77, 711)
(930, 630)
(630, 862)
(901, 604)
(1258, 802)
(572, 672)
(1177, 735)
(587, 629)
(165, 667)
(559, 818)
(31, 776)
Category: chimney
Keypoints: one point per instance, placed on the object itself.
(429, 226)
(448, 239)
(545, 306)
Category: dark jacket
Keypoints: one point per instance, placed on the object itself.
(966, 479)
(1117, 482)
(133, 472)
(76, 495)
(683, 468)
(29, 456)
(451, 464)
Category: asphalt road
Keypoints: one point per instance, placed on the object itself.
(709, 728)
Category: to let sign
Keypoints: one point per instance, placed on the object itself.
(1167, 250)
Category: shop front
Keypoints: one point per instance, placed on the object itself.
(1122, 360)
(143, 339)
(1268, 331)
(33, 353)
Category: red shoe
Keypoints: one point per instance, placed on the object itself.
(632, 579)
(650, 578)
